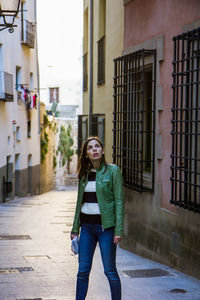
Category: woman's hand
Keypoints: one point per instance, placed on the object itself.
(117, 239)
(73, 235)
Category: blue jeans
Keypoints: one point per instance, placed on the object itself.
(90, 235)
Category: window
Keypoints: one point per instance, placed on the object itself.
(28, 28)
(85, 72)
(17, 161)
(18, 138)
(85, 51)
(54, 95)
(101, 61)
(29, 129)
(134, 118)
(31, 82)
(98, 126)
(18, 78)
(82, 131)
(185, 163)
(101, 42)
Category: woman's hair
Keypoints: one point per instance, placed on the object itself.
(84, 164)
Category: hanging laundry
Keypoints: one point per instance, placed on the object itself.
(35, 101)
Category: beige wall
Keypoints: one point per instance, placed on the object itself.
(47, 175)
(103, 94)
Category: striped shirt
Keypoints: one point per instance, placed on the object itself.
(90, 212)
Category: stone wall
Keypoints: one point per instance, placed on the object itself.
(161, 235)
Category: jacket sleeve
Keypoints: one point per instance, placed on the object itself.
(119, 201)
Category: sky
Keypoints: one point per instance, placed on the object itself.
(60, 37)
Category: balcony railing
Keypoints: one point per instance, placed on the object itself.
(6, 87)
(28, 34)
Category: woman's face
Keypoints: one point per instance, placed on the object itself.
(94, 151)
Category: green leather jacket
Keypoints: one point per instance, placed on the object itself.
(109, 190)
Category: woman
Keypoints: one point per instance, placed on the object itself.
(100, 214)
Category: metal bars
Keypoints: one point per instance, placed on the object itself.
(134, 118)
(185, 168)
(98, 126)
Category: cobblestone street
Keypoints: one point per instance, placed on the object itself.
(36, 260)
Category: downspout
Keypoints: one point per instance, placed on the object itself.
(91, 70)
(38, 92)
(37, 66)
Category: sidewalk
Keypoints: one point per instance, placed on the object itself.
(36, 260)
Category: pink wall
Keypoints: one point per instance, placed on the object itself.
(143, 20)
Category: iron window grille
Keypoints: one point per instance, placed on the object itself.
(101, 61)
(98, 128)
(134, 118)
(185, 158)
(82, 131)
(85, 72)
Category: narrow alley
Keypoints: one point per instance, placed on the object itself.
(36, 261)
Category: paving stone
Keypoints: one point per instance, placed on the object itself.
(47, 220)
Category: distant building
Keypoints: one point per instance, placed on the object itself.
(54, 89)
(67, 111)
(19, 107)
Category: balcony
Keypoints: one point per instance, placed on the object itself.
(28, 34)
(6, 87)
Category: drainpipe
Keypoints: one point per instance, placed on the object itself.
(38, 94)
(91, 69)
(38, 74)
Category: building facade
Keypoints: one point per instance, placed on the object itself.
(153, 127)
(99, 50)
(157, 134)
(19, 107)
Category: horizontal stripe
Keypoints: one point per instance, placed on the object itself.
(90, 208)
(90, 197)
(92, 176)
(90, 187)
(90, 219)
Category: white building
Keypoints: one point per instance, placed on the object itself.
(19, 116)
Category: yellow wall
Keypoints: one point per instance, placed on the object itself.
(47, 175)
(103, 94)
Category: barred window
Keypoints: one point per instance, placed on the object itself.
(82, 131)
(185, 163)
(134, 118)
(101, 61)
(85, 72)
(98, 126)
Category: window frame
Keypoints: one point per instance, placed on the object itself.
(53, 89)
